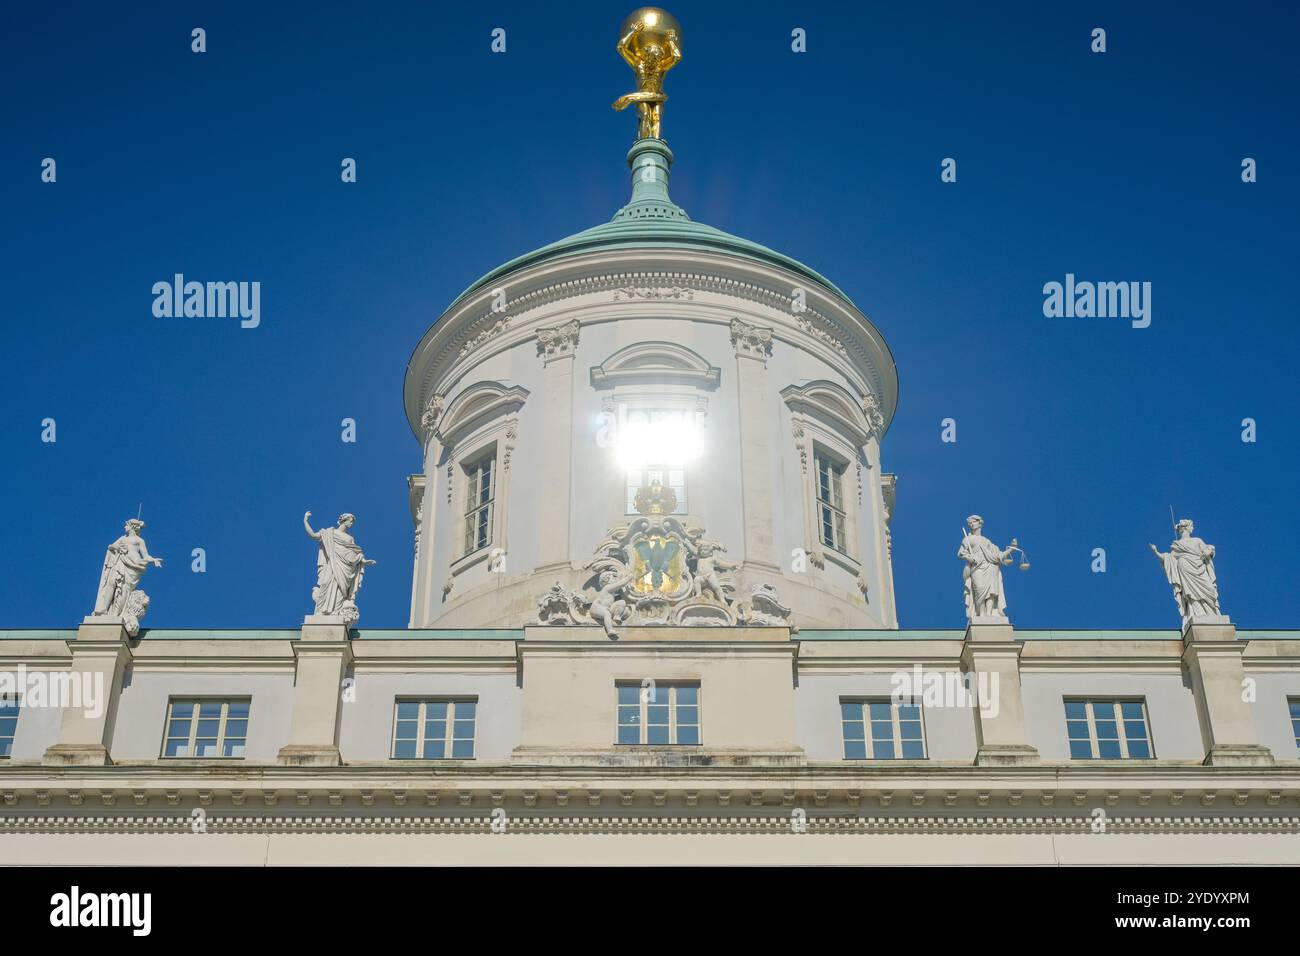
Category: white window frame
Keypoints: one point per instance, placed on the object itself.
(896, 725)
(686, 399)
(471, 481)
(1293, 712)
(643, 726)
(193, 738)
(1094, 744)
(12, 699)
(421, 718)
(839, 469)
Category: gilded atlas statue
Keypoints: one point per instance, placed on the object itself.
(650, 41)
(657, 571)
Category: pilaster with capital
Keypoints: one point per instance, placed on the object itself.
(557, 347)
(753, 346)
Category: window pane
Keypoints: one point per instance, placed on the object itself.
(688, 695)
(854, 730)
(1131, 709)
(629, 734)
(850, 710)
(1080, 749)
(1139, 749)
(205, 747)
(913, 750)
(1108, 749)
(210, 708)
(406, 729)
(404, 749)
(1076, 710)
(463, 730)
(882, 750)
(182, 708)
(1135, 730)
(408, 709)
(208, 728)
(238, 708)
(1107, 730)
(462, 750)
(175, 748)
(1104, 709)
(688, 715)
(436, 710)
(434, 749)
(881, 710)
(855, 750)
(1077, 729)
(656, 714)
(628, 694)
(657, 734)
(466, 709)
(234, 748)
(688, 735)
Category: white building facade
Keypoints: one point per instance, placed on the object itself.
(652, 621)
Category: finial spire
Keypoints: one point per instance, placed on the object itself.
(650, 42)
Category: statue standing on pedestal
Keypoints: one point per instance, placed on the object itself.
(651, 45)
(982, 576)
(125, 562)
(1189, 568)
(340, 567)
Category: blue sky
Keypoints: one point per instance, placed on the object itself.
(1073, 434)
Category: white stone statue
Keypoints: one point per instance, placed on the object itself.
(1189, 568)
(608, 609)
(982, 576)
(340, 568)
(708, 568)
(125, 562)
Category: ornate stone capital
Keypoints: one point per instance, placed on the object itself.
(875, 417)
(559, 341)
(431, 414)
(751, 340)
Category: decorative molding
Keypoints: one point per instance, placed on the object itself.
(774, 295)
(432, 412)
(655, 363)
(653, 292)
(496, 328)
(817, 328)
(834, 405)
(752, 819)
(752, 341)
(476, 405)
(558, 341)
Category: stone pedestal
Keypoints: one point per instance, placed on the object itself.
(991, 649)
(100, 653)
(322, 656)
(1212, 655)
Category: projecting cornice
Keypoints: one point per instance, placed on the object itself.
(814, 318)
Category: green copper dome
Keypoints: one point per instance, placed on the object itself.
(651, 219)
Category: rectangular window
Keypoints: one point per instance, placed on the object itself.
(437, 729)
(830, 503)
(1108, 729)
(659, 714)
(8, 724)
(1295, 719)
(674, 478)
(479, 491)
(206, 728)
(882, 729)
